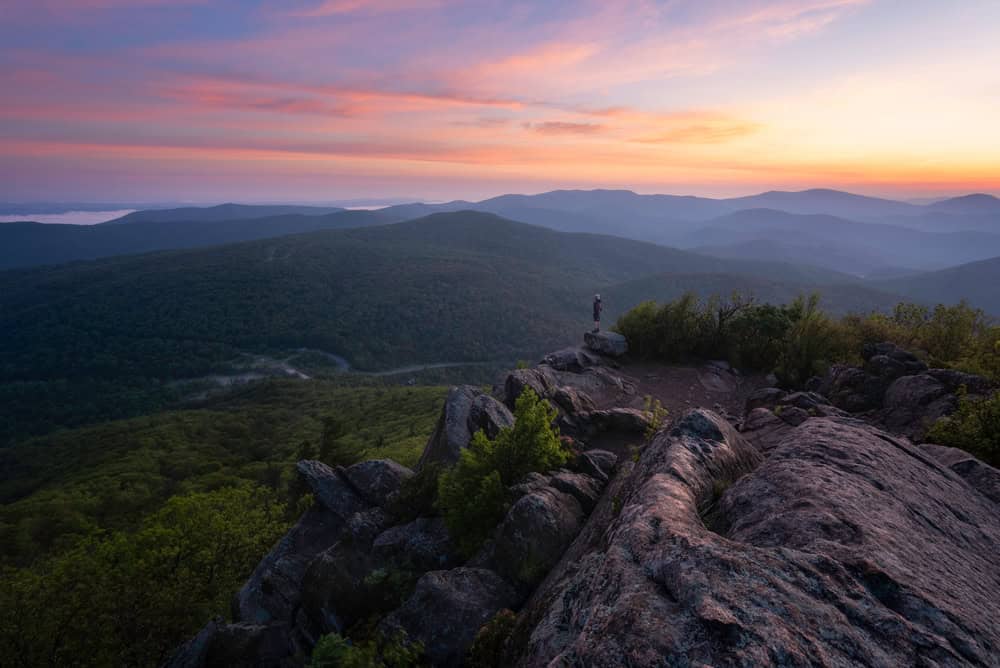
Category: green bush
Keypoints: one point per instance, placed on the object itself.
(487, 649)
(811, 345)
(758, 336)
(334, 651)
(974, 427)
(798, 340)
(473, 494)
(957, 336)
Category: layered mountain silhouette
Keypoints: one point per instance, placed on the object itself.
(844, 238)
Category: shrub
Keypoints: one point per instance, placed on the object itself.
(640, 327)
(487, 649)
(798, 340)
(758, 336)
(473, 494)
(974, 427)
(813, 342)
(335, 651)
(657, 416)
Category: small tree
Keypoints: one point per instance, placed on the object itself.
(473, 494)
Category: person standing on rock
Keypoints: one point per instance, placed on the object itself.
(598, 307)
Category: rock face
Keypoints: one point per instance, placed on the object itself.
(571, 380)
(377, 479)
(272, 592)
(606, 343)
(466, 410)
(535, 533)
(573, 360)
(837, 544)
(448, 608)
(235, 645)
(981, 476)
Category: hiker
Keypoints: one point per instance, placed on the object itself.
(597, 313)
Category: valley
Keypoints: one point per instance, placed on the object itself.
(188, 358)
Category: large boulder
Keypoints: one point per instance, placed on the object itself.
(606, 343)
(447, 609)
(626, 420)
(570, 391)
(584, 488)
(218, 644)
(336, 591)
(466, 410)
(489, 415)
(421, 545)
(844, 546)
(536, 531)
(273, 591)
(331, 488)
(913, 403)
(895, 388)
(598, 464)
(376, 480)
(981, 476)
(541, 379)
(574, 359)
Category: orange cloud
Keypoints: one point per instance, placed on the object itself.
(715, 133)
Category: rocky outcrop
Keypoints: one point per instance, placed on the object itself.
(239, 644)
(896, 389)
(446, 610)
(628, 420)
(534, 534)
(598, 464)
(571, 380)
(467, 409)
(606, 343)
(574, 360)
(272, 592)
(377, 479)
(828, 543)
(421, 545)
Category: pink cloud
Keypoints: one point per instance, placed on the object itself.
(334, 7)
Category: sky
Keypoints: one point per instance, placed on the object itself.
(319, 100)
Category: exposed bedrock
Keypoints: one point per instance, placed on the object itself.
(843, 546)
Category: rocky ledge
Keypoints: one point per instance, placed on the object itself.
(829, 543)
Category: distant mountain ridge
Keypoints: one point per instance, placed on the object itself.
(34, 244)
(222, 212)
(976, 282)
(842, 231)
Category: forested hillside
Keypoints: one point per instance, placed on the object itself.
(98, 340)
(117, 540)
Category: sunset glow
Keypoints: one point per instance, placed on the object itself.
(316, 100)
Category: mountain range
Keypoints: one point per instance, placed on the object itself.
(853, 234)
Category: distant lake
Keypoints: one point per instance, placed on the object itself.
(67, 218)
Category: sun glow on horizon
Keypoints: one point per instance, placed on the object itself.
(319, 100)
